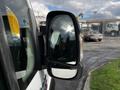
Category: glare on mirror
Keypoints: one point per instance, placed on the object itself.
(64, 73)
(62, 40)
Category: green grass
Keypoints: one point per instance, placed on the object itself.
(107, 77)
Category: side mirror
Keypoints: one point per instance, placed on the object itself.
(63, 45)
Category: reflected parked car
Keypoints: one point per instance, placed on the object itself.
(93, 36)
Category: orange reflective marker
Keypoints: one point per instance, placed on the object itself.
(13, 22)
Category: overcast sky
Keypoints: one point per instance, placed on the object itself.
(90, 8)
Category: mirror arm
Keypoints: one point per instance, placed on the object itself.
(55, 64)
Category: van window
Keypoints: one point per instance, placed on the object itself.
(21, 50)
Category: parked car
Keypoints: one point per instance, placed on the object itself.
(93, 36)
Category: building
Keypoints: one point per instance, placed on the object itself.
(109, 27)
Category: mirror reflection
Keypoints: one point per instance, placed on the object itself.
(62, 40)
(64, 73)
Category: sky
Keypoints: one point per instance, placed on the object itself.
(99, 9)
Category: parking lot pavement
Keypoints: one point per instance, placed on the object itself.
(95, 55)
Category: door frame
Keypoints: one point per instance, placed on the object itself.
(6, 60)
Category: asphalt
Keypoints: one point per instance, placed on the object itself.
(96, 54)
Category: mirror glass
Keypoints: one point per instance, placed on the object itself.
(62, 40)
(64, 73)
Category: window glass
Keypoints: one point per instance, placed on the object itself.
(21, 49)
(19, 7)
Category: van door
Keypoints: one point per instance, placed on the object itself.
(23, 47)
(20, 41)
(22, 51)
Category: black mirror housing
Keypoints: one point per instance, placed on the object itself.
(62, 45)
